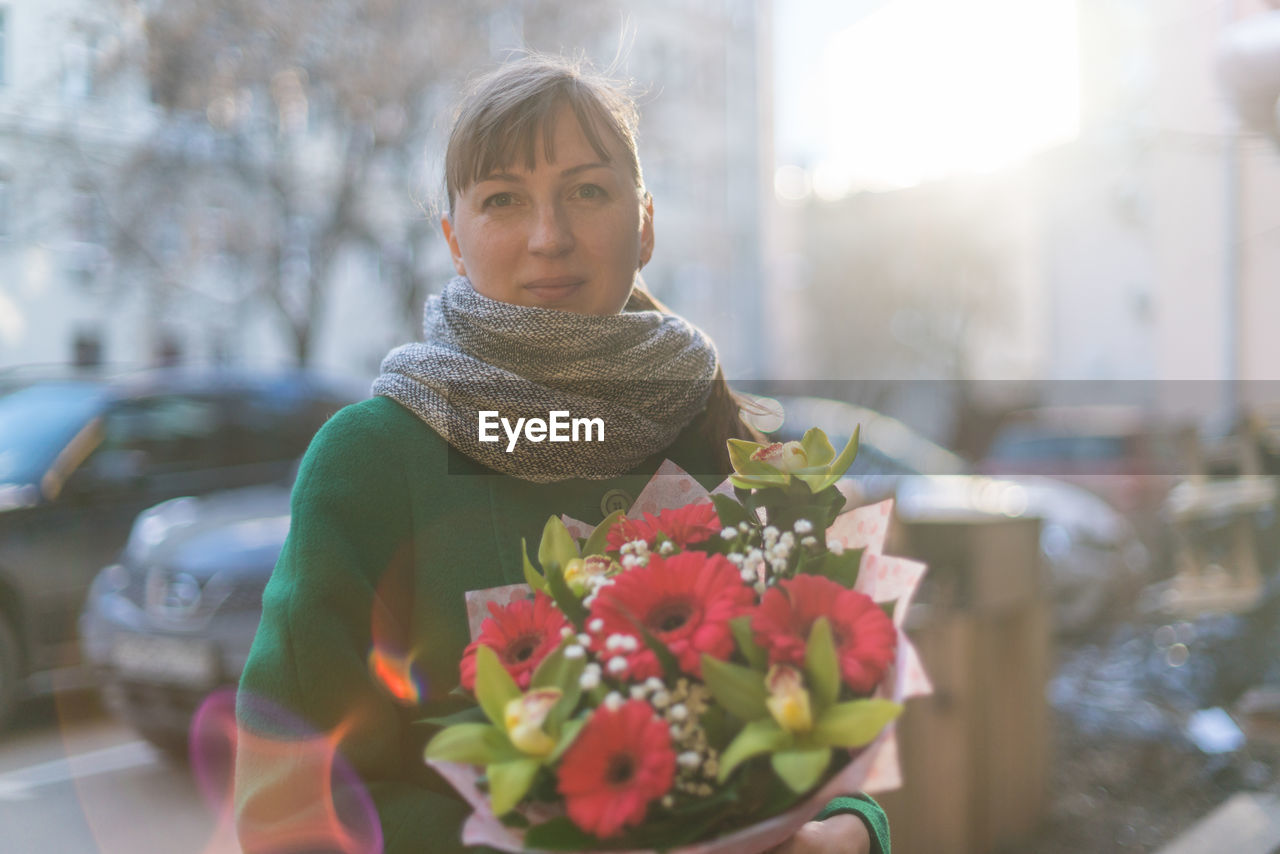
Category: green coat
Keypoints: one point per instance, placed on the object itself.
(390, 527)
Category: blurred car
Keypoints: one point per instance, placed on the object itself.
(1118, 452)
(1093, 554)
(173, 620)
(81, 458)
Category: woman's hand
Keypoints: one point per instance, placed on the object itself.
(840, 834)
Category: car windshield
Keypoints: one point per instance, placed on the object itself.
(38, 421)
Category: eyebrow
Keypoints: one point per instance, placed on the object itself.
(572, 170)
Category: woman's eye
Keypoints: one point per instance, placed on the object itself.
(499, 200)
(590, 191)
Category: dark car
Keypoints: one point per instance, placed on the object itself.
(173, 620)
(80, 459)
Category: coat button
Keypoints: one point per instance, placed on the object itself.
(613, 501)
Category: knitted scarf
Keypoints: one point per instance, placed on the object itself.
(645, 374)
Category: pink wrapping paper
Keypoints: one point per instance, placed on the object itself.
(875, 769)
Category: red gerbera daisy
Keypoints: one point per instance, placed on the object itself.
(620, 762)
(521, 633)
(686, 601)
(865, 637)
(684, 526)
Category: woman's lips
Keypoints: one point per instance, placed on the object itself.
(553, 288)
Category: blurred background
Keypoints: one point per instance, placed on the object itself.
(1032, 246)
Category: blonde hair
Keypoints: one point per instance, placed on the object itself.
(507, 112)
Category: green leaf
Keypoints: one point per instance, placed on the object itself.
(559, 671)
(559, 834)
(762, 736)
(731, 513)
(821, 665)
(471, 714)
(667, 661)
(494, 685)
(509, 781)
(557, 544)
(474, 744)
(752, 651)
(531, 576)
(599, 539)
(740, 690)
(801, 769)
(840, 568)
(567, 734)
(854, 723)
(817, 448)
(568, 603)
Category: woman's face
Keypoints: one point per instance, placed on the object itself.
(568, 235)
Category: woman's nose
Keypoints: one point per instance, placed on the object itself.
(552, 233)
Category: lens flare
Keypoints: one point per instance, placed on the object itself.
(397, 674)
(298, 792)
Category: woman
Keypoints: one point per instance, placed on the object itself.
(403, 504)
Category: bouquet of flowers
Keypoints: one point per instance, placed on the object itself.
(701, 675)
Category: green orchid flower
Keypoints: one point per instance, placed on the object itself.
(792, 714)
(566, 567)
(526, 730)
(812, 461)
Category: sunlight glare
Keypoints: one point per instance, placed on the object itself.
(925, 88)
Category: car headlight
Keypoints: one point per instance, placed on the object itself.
(153, 525)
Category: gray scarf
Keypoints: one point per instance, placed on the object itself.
(645, 374)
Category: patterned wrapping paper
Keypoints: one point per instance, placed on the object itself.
(875, 767)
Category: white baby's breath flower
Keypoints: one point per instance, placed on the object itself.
(729, 534)
(754, 556)
(593, 667)
(735, 558)
(566, 631)
(637, 692)
(803, 526)
(781, 550)
(835, 547)
(589, 679)
(744, 527)
(595, 625)
(689, 759)
(788, 539)
(661, 699)
(666, 548)
(584, 639)
(809, 542)
(617, 665)
(613, 700)
(629, 561)
(770, 533)
(574, 651)
(653, 683)
(748, 575)
(679, 711)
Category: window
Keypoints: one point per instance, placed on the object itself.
(171, 433)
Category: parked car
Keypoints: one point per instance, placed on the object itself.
(81, 458)
(1121, 453)
(1093, 554)
(173, 619)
